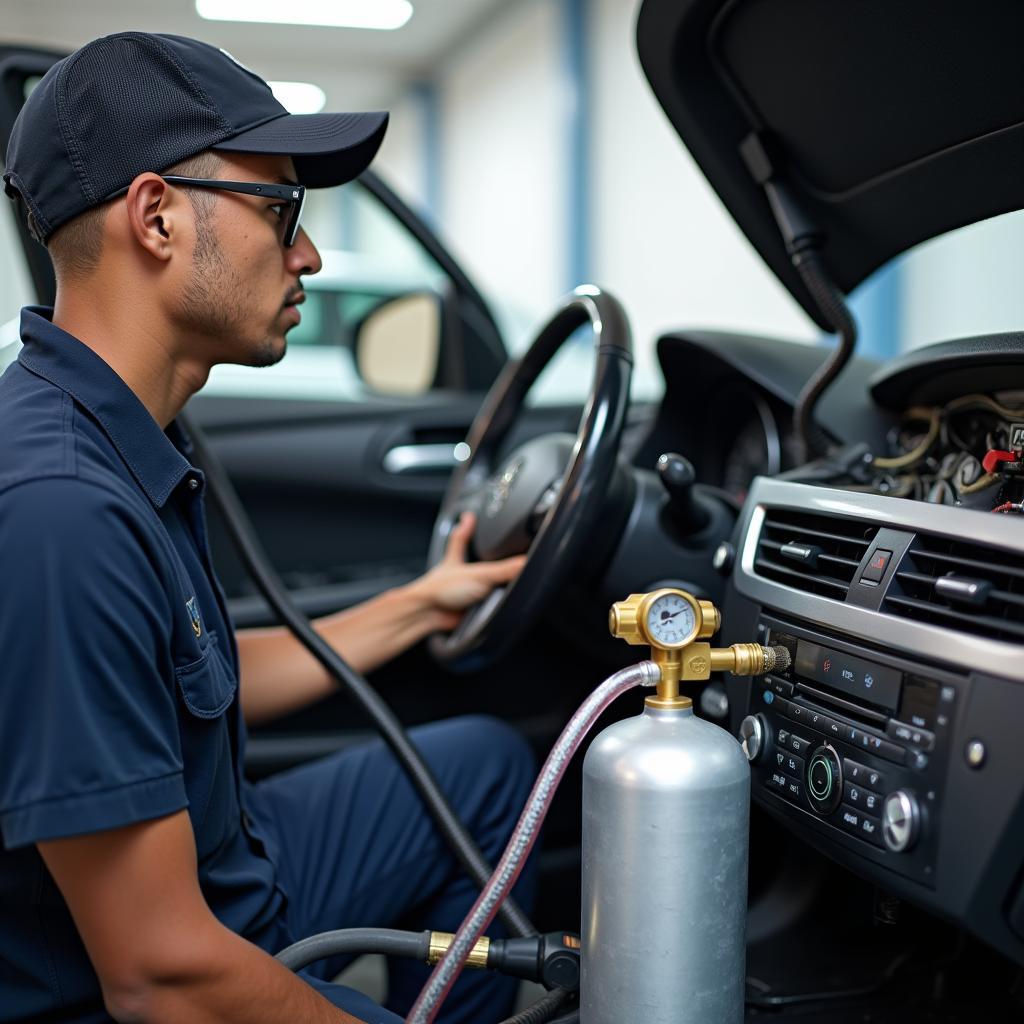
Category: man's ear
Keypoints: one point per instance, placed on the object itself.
(155, 211)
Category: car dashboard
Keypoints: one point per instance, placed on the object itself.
(893, 571)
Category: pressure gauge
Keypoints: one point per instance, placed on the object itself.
(671, 620)
(666, 619)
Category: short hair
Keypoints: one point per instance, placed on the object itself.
(76, 247)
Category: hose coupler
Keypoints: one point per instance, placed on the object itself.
(440, 941)
(553, 960)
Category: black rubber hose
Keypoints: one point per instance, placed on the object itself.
(259, 567)
(355, 941)
(540, 1011)
(832, 303)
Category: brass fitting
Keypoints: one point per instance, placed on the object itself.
(441, 941)
(691, 658)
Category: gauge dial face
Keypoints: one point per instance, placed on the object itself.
(671, 621)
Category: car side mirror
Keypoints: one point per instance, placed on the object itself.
(397, 345)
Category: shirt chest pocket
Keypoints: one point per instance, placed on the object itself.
(207, 685)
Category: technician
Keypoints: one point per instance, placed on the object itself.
(140, 877)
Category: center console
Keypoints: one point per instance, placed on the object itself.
(893, 741)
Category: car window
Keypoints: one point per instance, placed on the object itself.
(369, 261)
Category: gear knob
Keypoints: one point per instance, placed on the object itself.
(678, 477)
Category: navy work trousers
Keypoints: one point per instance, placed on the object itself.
(354, 847)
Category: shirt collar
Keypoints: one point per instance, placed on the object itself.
(148, 452)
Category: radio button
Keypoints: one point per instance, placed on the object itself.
(871, 829)
(863, 799)
(798, 744)
(863, 826)
(852, 735)
(920, 739)
(795, 712)
(863, 776)
(898, 755)
(816, 720)
(849, 819)
(853, 794)
(791, 789)
(883, 748)
(779, 704)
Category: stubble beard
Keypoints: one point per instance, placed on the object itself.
(212, 302)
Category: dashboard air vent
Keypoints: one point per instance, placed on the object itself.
(962, 586)
(812, 552)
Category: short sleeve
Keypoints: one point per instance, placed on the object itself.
(89, 737)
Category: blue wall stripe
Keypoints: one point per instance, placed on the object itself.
(574, 50)
(347, 212)
(878, 308)
(426, 94)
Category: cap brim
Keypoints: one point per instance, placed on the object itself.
(328, 149)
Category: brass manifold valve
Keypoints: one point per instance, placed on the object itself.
(676, 626)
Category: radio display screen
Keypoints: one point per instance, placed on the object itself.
(875, 684)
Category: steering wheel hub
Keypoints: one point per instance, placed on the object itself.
(508, 520)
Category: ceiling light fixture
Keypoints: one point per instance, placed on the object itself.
(379, 14)
(299, 97)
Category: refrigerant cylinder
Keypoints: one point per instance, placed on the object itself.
(666, 808)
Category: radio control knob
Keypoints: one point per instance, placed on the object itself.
(901, 820)
(752, 732)
(824, 780)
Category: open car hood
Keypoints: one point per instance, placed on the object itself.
(890, 122)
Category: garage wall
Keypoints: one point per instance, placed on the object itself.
(657, 237)
(662, 240)
(503, 106)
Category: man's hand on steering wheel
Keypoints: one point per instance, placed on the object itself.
(454, 584)
(548, 496)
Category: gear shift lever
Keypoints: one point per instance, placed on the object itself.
(678, 477)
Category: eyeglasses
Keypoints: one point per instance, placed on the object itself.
(293, 195)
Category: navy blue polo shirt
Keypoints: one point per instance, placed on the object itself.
(119, 668)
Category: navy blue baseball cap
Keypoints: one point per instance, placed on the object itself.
(137, 101)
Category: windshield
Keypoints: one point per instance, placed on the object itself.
(959, 285)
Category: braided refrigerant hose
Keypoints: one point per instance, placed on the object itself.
(429, 1001)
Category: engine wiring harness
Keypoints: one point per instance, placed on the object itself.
(968, 452)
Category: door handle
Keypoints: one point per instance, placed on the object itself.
(409, 459)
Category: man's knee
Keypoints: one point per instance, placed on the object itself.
(496, 744)
(483, 758)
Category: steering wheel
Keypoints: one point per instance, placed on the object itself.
(544, 498)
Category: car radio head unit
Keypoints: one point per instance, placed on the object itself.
(857, 744)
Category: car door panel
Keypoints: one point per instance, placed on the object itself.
(337, 522)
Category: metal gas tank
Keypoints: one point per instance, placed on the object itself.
(666, 809)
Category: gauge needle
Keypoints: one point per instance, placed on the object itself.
(665, 616)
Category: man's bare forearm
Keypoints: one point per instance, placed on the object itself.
(161, 955)
(223, 980)
(279, 675)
